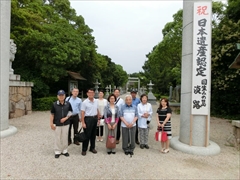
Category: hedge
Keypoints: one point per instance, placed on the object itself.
(43, 104)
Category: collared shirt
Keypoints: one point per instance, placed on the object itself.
(76, 105)
(120, 103)
(90, 107)
(136, 101)
(144, 108)
(128, 113)
(61, 111)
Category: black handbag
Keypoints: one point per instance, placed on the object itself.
(81, 136)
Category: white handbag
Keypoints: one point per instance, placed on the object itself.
(101, 123)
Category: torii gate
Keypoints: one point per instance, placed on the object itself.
(133, 79)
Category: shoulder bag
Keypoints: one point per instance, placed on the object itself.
(81, 136)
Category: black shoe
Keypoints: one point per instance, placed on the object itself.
(57, 155)
(109, 152)
(126, 153)
(142, 146)
(113, 152)
(66, 154)
(131, 153)
(84, 153)
(137, 142)
(77, 143)
(93, 151)
(146, 146)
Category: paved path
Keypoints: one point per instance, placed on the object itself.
(29, 155)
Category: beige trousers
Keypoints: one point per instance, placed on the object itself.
(61, 139)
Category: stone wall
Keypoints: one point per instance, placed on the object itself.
(20, 101)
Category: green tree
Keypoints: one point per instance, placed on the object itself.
(225, 97)
(52, 40)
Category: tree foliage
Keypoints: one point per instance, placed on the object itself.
(51, 40)
(163, 63)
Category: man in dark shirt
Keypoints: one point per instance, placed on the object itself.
(59, 122)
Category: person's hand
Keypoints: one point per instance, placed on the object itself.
(159, 125)
(130, 125)
(127, 124)
(84, 126)
(53, 127)
(80, 120)
(98, 122)
(114, 126)
(109, 126)
(162, 125)
(146, 115)
(63, 120)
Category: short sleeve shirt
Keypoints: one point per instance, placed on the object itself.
(162, 113)
(90, 107)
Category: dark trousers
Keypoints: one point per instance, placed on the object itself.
(74, 121)
(136, 135)
(90, 131)
(118, 130)
(99, 131)
(128, 143)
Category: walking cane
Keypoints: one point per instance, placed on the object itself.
(130, 141)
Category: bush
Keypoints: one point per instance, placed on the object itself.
(43, 104)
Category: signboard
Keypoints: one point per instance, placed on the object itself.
(201, 75)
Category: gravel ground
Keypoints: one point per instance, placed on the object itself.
(29, 155)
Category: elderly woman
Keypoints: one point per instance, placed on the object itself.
(111, 116)
(144, 117)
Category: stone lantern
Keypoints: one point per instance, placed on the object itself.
(151, 97)
(96, 88)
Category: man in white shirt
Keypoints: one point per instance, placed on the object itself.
(119, 102)
(90, 117)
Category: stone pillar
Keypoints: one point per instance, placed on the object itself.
(198, 121)
(170, 93)
(5, 16)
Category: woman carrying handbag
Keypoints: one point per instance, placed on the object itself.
(111, 116)
(164, 122)
(102, 103)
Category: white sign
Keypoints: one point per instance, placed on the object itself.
(201, 75)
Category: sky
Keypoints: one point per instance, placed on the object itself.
(126, 31)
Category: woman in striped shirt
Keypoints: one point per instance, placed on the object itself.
(164, 122)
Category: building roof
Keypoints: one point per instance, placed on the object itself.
(236, 62)
(75, 75)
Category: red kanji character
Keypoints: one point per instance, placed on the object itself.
(202, 10)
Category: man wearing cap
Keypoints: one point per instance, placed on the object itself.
(76, 115)
(59, 122)
(135, 102)
(90, 118)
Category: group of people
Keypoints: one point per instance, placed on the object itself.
(129, 118)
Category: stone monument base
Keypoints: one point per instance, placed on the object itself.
(152, 99)
(8, 132)
(20, 97)
(212, 149)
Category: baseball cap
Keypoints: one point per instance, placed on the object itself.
(133, 91)
(61, 92)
